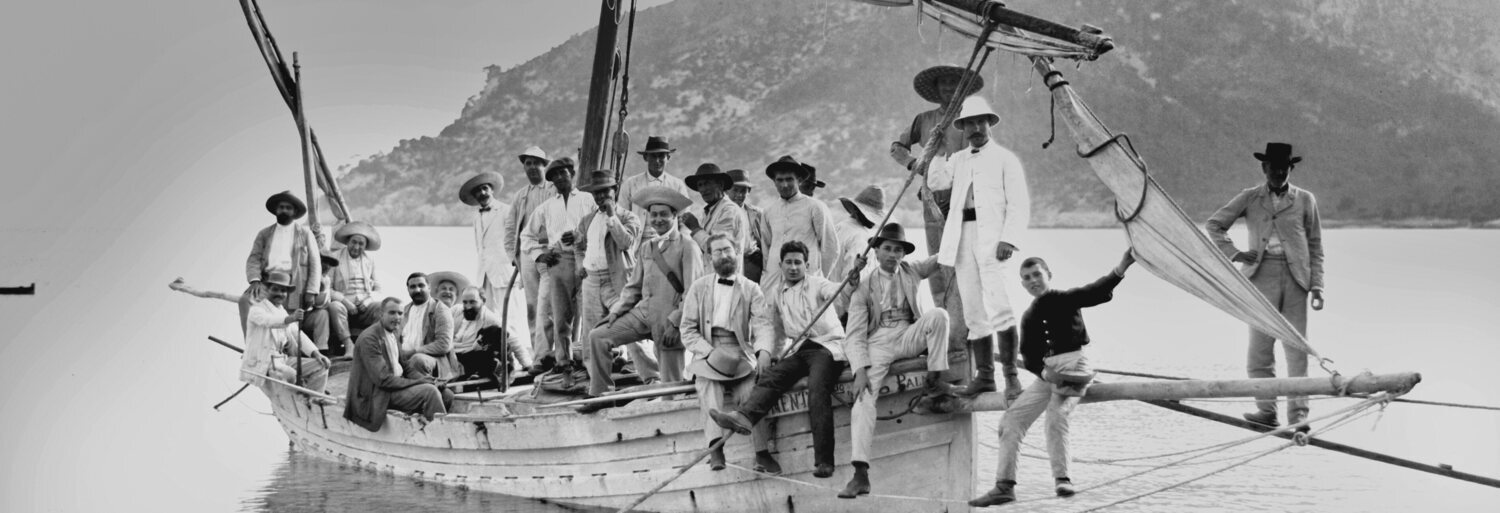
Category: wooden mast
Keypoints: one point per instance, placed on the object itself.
(592, 151)
(307, 171)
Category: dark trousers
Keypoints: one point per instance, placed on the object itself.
(811, 361)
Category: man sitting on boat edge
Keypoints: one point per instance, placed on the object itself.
(1052, 340)
(426, 334)
(271, 349)
(375, 378)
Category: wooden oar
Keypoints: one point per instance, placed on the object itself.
(675, 389)
(236, 348)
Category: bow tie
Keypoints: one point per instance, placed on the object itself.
(484, 209)
(726, 281)
(974, 150)
(1281, 190)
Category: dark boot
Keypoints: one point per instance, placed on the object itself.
(859, 484)
(1264, 418)
(1064, 487)
(1009, 348)
(716, 458)
(764, 462)
(1003, 492)
(982, 355)
(936, 387)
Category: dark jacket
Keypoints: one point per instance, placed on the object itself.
(1053, 324)
(371, 381)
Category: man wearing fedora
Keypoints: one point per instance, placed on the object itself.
(287, 247)
(991, 210)
(656, 154)
(548, 240)
(720, 215)
(1284, 259)
(854, 231)
(809, 186)
(607, 253)
(355, 287)
(1053, 337)
(794, 216)
(523, 204)
(271, 348)
(490, 235)
(650, 305)
(886, 323)
(724, 316)
(376, 379)
(739, 192)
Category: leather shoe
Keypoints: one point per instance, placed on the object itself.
(1000, 494)
(1264, 418)
(733, 421)
(1065, 487)
(858, 485)
(824, 470)
(977, 386)
(765, 463)
(716, 460)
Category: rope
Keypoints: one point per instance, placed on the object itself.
(702, 454)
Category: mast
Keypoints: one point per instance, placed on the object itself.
(592, 151)
(307, 165)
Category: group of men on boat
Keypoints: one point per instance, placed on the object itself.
(747, 300)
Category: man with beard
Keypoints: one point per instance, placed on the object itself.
(649, 306)
(885, 325)
(754, 257)
(271, 349)
(355, 305)
(719, 215)
(724, 316)
(479, 343)
(993, 209)
(658, 151)
(1284, 261)
(548, 240)
(375, 378)
(606, 250)
(816, 354)
(426, 334)
(795, 217)
(854, 231)
(287, 247)
(535, 192)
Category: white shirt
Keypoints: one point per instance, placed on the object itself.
(723, 304)
(644, 180)
(555, 217)
(391, 351)
(279, 254)
(411, 330)
(596, 259)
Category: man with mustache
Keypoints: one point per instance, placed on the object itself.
(724, 316)
(426, 334)
(548, 240)
(478, 342)
(490, 226)
(533, 193)
(649, 307)
(991, 210)
(656, 154)
(271, 348)
(719, 215)
(754, 256)
(607, 255)
(795, 217)
(355, 305)
(376, 379)
(287, 247)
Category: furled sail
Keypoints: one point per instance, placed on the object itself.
(961, 16)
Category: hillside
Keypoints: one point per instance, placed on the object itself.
(1394, 105)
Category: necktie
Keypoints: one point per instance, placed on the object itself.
(726, 281)
(1281, 190)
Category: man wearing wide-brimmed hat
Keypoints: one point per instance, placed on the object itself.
(272, 344)
(287, 247)
(656, 154)
(738, 192)
(649, 306)
(794, 216)
(886, 323)
(1285, 262)
(720, 215)
(854, 228)
(548, 240)
(532, 194)
(607, 255)
(991, 209)
(355, 287)
(490, 236)
(724, 317)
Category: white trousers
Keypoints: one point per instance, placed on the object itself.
(981, 286)
(930, 334)
(1039, 397)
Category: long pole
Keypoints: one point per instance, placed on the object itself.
(307, 172)
(997, 12)
(599, 85)
(1205, 389)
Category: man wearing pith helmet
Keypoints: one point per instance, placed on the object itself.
(991, 208)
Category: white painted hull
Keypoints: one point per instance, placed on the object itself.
(612, 457)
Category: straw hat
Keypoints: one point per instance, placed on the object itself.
(926, 82)
(740, 180)
(466, 192)
(660, 194)
(459, 280)
(361, 228)
(287, 196)
(657, 144)
(867, 206)
(893, 232)
(787, 163)
(709, 171)
(599, 180)
(723, 363)
(559, 164)
(534, 152)
(975, 106)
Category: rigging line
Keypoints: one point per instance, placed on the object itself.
(1257, 456)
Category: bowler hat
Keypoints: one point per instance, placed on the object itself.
(599, 180)
(787, 163)
(723, 363)
(709, 172)
(560, 164)
(975, 106)
(361, 228)
(926, 82)
(657, 144)
(466, 192)
(535, 152)
(868, 206)
(660, 194)
(1278, 153)
(895, 233)
(740, 180)
(298, 206)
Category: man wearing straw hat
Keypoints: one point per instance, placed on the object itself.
(991, 208)
(886, 324)
(650, 305)
(532, 195)
(1284, 261)
(794, 216)
(354, 283)
(854, 231)
(607, 256)
(489, 236)
(548, 240)
(656, 154)
(720, 215)
(287, 247)
(739, 190)
(724, 316)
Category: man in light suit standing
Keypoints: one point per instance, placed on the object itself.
(991, 208)
(489, 233)
(1284, 261)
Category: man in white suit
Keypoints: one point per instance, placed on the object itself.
(991, 208)
(489, 234)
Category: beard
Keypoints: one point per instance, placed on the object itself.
(283, 219)
(471, 314)
(726, 266)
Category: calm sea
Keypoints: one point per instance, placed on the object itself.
(144, 437)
